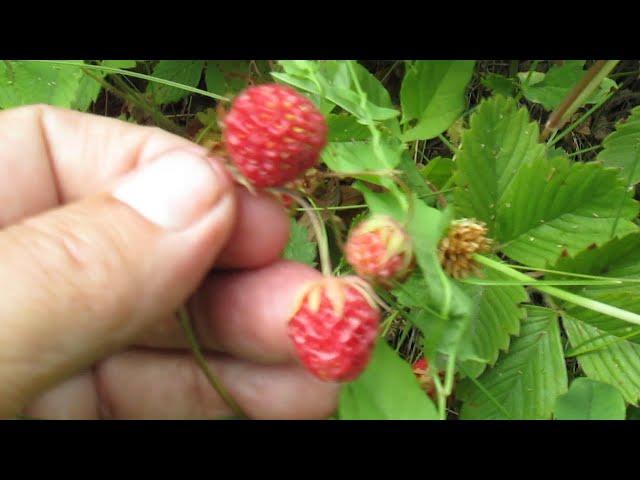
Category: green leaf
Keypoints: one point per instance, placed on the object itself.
(438, 171)
(88, 91)
(590, 400)
(499, 141)
(502, 169)
(386, 390)
(496, 316)
(332, 80)
(413, 177)
(300, 248)
(499, 84)
(618, 258)
(354, 158)
(28, 83)
(432, 93)
(186, 72)
(550, 89)
(577, 205)
(227, 77)
(214, 79)
(122, 64)
(526, 381)
(622, 147)
(607, 358)
(346, 128)
(383, 203)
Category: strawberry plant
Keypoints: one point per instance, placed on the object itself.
(476, 222)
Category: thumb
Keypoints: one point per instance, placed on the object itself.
(84, 280)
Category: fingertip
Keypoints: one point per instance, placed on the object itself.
(247, 312)
(260, 234)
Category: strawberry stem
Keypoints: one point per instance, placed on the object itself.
(316, 223)
(584, 302)
(185, 323)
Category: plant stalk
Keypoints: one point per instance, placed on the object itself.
(576, 97)
(594, 305)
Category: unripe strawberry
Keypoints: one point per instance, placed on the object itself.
(273, 134)
(464, 238)
(423, 372)
(334, 327)
(379, 250)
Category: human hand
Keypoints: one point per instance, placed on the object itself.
(106, 228)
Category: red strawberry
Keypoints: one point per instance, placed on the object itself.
(273, 134)
(334, 327)
(379, 250)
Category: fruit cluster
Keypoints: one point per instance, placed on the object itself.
(273, 136)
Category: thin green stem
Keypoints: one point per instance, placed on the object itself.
(449, 145)
(185, 323)
(141, 102)
(584, 150)
(450, 374)
(579, 350)
(388, 322)
(334, 208)
(393, 67)
(556, 137)
(594, 305)
(319, 232)
(579, 275)
(534, 282)
(624, 74)
(440, 394)
(203, 132)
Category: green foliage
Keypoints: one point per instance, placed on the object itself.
(186, 72)
(346, 128)
(122, 64)
(622, 148)
(542, 209)
(496, 316)
(88, 90)
(607, 358)
(618, 258)
(300, 248)
(438, 171)
(526, 381)
(387, 390)
(537, 207)
(432, 94)
(332, 80)
(228, 77)
(500, 84)
(30, 82)
(551, 88)
(590, 400)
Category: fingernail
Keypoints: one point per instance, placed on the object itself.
(175, 190)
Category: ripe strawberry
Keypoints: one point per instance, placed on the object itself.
(334, 327)
(273, 134)
(379, 250)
